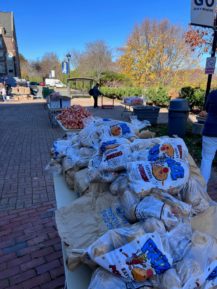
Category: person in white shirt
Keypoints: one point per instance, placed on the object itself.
(4, 93)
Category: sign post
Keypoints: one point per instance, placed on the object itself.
(203, 13)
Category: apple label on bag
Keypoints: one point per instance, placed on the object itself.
(138, 260)
(120, 129)
(172, 148)
(163, 174)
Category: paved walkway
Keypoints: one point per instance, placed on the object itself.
(30, 250)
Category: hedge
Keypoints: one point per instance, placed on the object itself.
(195, 96)
(121, 92)
(158, 96)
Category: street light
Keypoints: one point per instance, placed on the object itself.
(68, 56)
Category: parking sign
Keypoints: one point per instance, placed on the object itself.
(210, 65)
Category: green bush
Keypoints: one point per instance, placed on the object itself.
(199, 97)
(195, 96)
(121, 92)
(158, 96)
(187, 92)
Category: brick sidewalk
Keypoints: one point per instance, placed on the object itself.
(30, 249)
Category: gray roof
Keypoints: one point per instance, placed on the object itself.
(6, 21)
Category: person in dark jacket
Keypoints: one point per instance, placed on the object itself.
(96, 93)
(209, 143)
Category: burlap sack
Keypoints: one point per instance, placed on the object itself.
(206, 221)
(85, 220)
(68, 172)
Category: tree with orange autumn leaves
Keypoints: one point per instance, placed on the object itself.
(199, 39)
(154, 53)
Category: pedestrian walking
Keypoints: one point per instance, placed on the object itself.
(95, 92)
(209, 141)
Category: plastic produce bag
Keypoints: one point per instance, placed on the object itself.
(136, 210)
(194, 192)
(137, 125)
(118, 129)
(120, 184)
(199, 264)
(174, 148)
(168, 175)
(211, 276)
(96, 175)
(53, 167)
(67, 164)
(73, 137)
(79, 157)
(153, 207)
(159, 205)
(115, 159)
(142, 144)
(112, 143)
(81, 182)
(154, 225)
(60, 147)
(170, 280)
(129, 201)
(134, 254)
(180, 240)
(159, 148)
(86, 152)
(102, 279)
(89, 136)
(86, 219)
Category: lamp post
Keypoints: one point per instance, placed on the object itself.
(68, 56)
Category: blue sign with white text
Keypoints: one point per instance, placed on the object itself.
(65, 67)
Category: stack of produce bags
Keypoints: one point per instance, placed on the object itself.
(133, 218)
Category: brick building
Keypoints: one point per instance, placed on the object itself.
(9, 55)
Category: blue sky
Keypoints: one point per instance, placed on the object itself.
(62, 25)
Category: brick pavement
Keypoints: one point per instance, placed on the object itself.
(30, 249)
